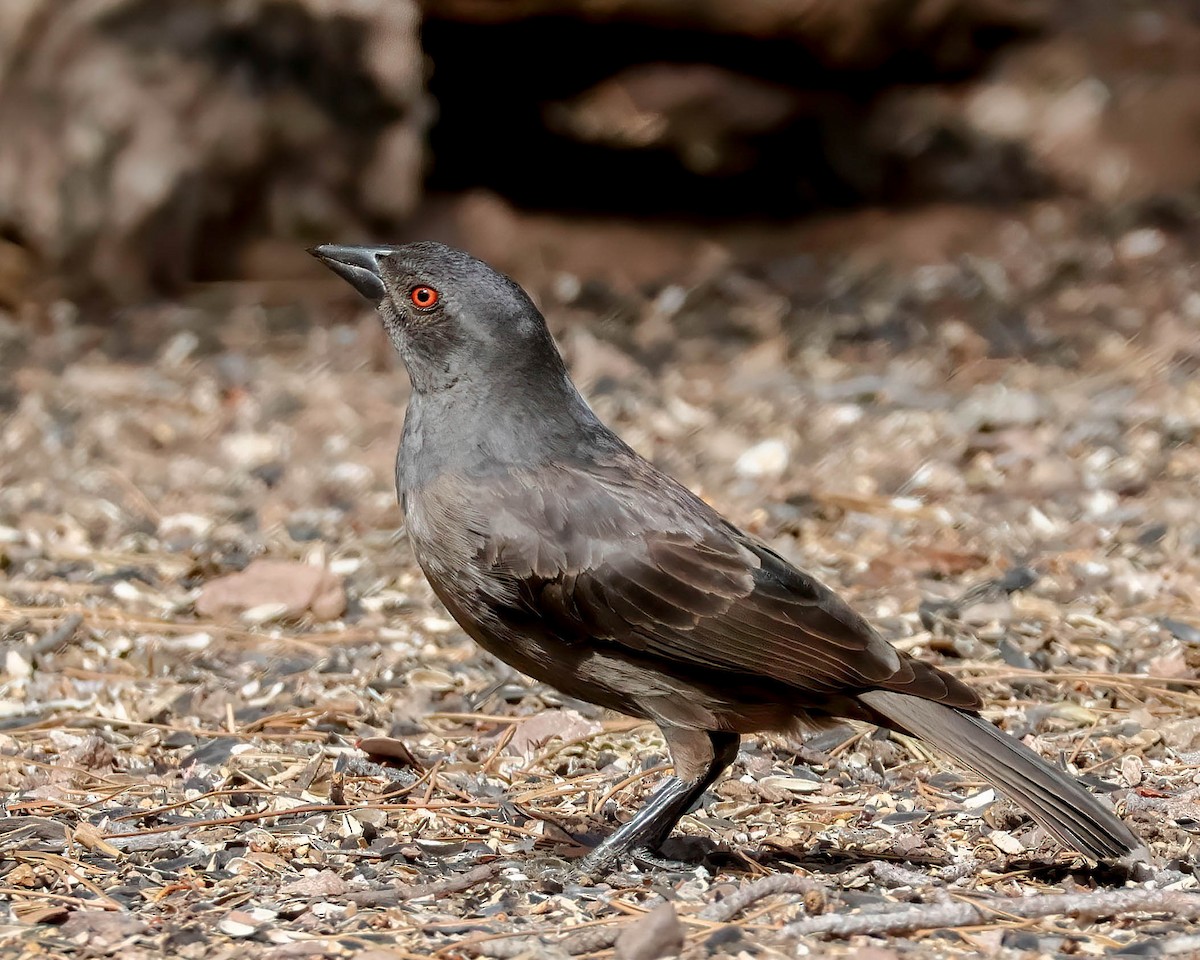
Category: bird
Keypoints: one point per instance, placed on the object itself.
(570, 557)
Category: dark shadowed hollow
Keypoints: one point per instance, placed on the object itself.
(501, 91)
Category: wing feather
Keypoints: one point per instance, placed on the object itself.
(664, 575)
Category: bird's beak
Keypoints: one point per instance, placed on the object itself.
(359, 265)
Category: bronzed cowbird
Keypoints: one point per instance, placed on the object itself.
(567, 555)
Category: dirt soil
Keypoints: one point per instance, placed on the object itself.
(980, 427)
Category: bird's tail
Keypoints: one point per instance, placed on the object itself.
(1055, 800)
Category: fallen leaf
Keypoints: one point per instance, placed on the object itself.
(544, 727)
(658, 934)
(289, 589)
(1170, 665)
(34, 911)
(388, 749)
(89, 836)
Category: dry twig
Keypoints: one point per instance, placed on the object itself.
(1103, 903)
(390, 896)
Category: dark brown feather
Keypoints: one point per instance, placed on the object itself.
(596, 558)
(573, 559)
(1054, 799)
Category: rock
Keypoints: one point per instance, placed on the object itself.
(250, 451)
(102, 927)
(766, 460)
(790, 784)
(658, 934)
(238, 924)
(184, 528)
(1073, 110)
(325, 883)
(1180, 630)
(134, 130)
(1133, 770)
(1006, 843)
(289, 588)
(995, 406)
(1139, 244)
(1181, 735)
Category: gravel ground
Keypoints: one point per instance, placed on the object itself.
(993, 455)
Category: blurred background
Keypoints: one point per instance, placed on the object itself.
(153, 145)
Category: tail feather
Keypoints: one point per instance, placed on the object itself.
(1055, 800)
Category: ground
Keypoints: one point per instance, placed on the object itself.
(990, 450)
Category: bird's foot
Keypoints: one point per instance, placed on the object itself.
(649, 857)
(1136, 865)
(601, 862)
(641, 837)
(598, 864)
(548, 873)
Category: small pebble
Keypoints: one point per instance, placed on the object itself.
(1006, 842)
(1138, 244)
(237, 924)
(768, 459)
(263, 613)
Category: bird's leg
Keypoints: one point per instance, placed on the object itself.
(699, 757)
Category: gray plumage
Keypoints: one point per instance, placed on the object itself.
(567, 555)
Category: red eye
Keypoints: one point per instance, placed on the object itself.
(423, 297)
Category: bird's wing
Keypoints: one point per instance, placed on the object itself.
(627, 556)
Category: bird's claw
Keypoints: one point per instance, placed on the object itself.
(601, 862)
(649, 857)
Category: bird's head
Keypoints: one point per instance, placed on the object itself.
(451, 316)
